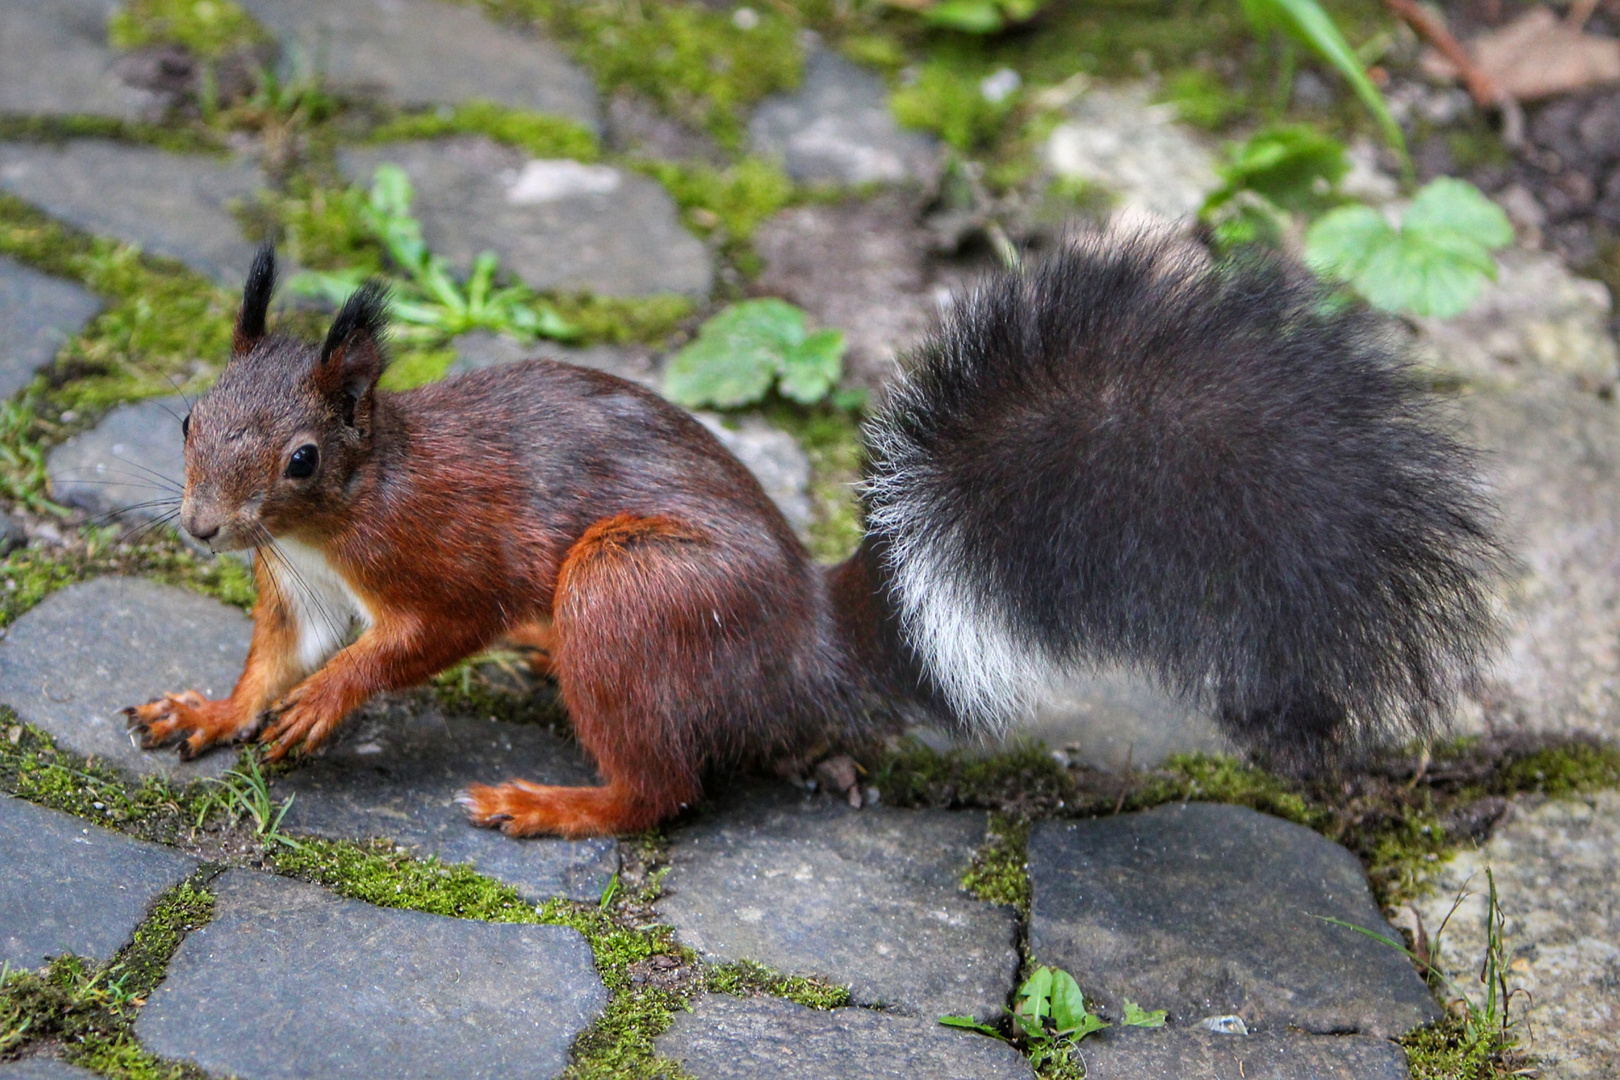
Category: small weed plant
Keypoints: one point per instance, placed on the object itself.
(1050, 1017)
(741, 353)
(427, 302)
(243, 793)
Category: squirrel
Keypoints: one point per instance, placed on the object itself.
(1127, 452)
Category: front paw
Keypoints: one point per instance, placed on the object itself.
(189, 716)
(295, 723)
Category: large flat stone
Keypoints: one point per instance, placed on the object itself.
(38, 313)
(1206, 909)
(394, 769)
(418, 52)
(866, 898)
(177, 205)
(1552, 459)
(92, 649)
(70, 887)
(727, 1038)
(1556, 866)
(290, 981)
(555, 224)
(131, 463)
(837, 128)
(1135, 150)
(55, 61)
(1116, 719)
(1195, 1054)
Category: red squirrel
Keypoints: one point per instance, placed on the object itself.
(1128, 452)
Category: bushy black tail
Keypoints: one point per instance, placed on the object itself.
(1131, 453)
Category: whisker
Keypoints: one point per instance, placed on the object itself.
(340, 630)
(183, 395)
(112, 477)
(102, 519)
(151, 472)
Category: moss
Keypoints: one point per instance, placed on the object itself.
(999, 872)
(416, 367)
(211, 29)
(1444, 1051)
(1203, 99)
(89, 1008)
(944, 97)
(318, 227)
(696, 62)
(540, 134)
(1021, 779)
(381, 873)
(164, 329)
(744, 978)
(28, 575)
(729, 203)
(1563, 769)
(620, 320)
(175, 138)
(831, 439)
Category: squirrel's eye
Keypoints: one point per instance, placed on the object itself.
(303, 461)
(185, 426)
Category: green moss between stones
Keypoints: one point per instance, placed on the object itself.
(999, 872)
(695, 61)
(28, 575)
(540, 134)
(744, 978)
(164, 327)
(1443, 1051)
(210, 29)
(88, 1008)
(1568, 768)
(831, 439)
(727, 204)
(622, 320)
(175, 138)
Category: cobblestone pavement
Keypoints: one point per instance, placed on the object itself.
(1210, 912)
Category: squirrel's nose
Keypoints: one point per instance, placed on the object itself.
(199, 526)
(203, 534)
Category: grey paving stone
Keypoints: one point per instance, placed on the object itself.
(290, 981)
(868, 898)
(55, 61)
(395, 768)
(43, 1069)
(727, 1038)
(1206, 909)
(134, 457)
(69, 887)
(1134, 150)
(555, 224)
(418, 52)
(1115, 718)
(170, 204)
(37, 314)
(92, 649)
(1195, 1054)
(1555, 866)
(836, 127)
(774, 457)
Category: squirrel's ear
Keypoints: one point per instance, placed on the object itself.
(353, 358)
(261, 282)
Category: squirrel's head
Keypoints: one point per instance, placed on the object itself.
(274, 446)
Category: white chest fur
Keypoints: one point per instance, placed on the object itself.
(324, 608)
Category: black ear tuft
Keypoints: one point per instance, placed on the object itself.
(365, 312)
(261, 282)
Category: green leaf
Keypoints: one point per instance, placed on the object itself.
(1307, 23)
(740, 352)
(1286, 165)
(1034, 1004)
(1435, 264)
(1448, 208)
(967, 1023)
(1136, 1016)
(810, 370)
(968, 16)
(1068, 1003)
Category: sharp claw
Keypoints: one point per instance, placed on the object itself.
(186, 752)
(497, 819)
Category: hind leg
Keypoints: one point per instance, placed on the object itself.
(636, 622)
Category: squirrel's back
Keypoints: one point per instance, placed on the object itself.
(1133, 453)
